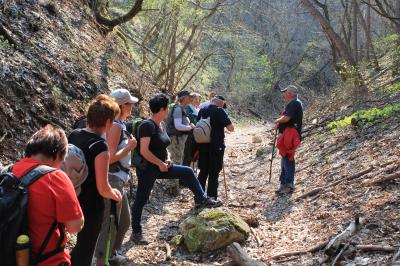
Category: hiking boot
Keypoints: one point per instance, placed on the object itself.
(282, 190)
(117, 258)
(209, 203)
(139, 239)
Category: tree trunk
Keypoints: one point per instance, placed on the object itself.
(368, 45)
(354, 43)
(397, 15)
(172, 59)
(330, 33)
(99, 7)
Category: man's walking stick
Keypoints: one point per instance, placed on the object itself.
(226, 189)
(272, 155)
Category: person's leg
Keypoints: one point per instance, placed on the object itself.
(146, 179)
(124, 218)
(176, 149)
(203, 165)
(291, 168)
(188, 151)
(216, 163)
(115, 182)
(103, 235)
(282, 178)
(82, 253)
(188, 179)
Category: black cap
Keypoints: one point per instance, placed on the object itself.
(182, 94)
(219, 97)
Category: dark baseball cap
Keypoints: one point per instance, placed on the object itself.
(219, 97)
(182, 94)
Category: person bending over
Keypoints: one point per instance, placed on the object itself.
(152, 144)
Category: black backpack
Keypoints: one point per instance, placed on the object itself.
(80, 122)
(137, 159)
(13, 215)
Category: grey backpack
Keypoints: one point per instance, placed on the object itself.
(202, 131)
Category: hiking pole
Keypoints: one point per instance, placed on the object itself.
(226, 189)
(112, 218)
(272, 155)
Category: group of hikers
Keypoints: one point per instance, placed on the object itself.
(160, 147)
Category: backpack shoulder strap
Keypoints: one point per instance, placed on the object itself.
(31, 176)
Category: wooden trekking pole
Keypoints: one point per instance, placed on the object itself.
(272, 155)
(226, 189)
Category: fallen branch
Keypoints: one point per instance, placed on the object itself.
(367, 248)
(396, 256)
(310, 193)
(289, 254)
(3, 137)
(259, 242)
(346, 178)
(240, 257)
(335, 243)
(4, 32)
(318, 247)
(339, 255)
(302, 252)
(385, 178)
(168, 252)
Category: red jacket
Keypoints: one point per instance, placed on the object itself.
(288, 142)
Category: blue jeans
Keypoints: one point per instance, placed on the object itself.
(288, 168)
(146, 179)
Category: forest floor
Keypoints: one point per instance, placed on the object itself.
(287, 223)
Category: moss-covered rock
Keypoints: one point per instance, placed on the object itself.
(212, 229)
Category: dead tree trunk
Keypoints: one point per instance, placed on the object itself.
(98, 8)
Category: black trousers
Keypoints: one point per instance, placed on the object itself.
(82, 253)
(190, 150)
(210, 164)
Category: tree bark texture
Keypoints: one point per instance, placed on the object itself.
(329, 32)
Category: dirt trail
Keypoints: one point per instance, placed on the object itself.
(286, 224)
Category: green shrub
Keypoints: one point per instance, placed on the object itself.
(394, 88)
(364, 117)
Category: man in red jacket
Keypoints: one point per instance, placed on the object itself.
(289, 124)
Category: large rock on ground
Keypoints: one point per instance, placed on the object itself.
(212, 229)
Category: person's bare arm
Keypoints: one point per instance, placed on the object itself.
(101, 171)
(230, 128)
(74, 226)
(113, 138)
(149, 156)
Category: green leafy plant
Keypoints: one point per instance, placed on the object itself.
(394, 88)
(364, 117)
(4, 43)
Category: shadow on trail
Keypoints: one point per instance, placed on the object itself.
(280, 207)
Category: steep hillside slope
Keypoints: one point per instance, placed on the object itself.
(55, 59)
